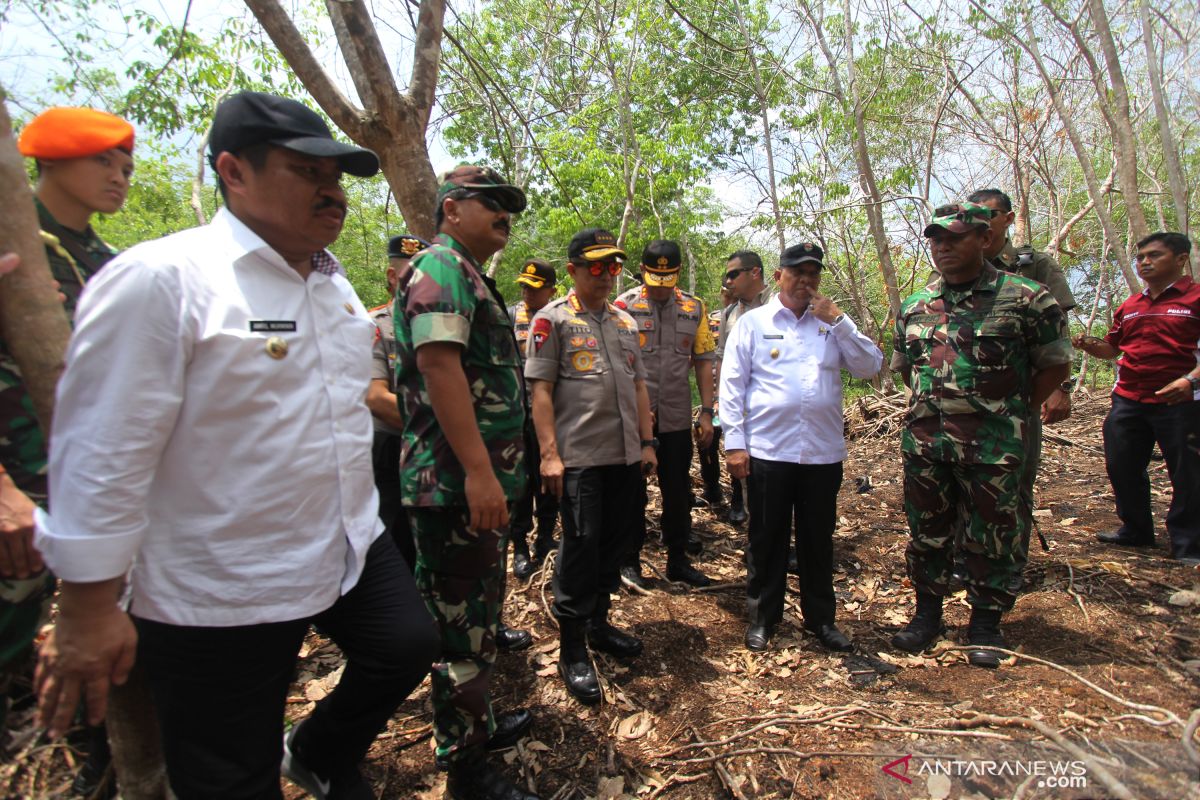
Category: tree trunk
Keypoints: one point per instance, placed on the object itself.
(1122, 122)
(1179, 192)
(32, 320)
(764, 107)
(35, 327)
(392, 124)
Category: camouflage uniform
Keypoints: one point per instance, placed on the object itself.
(443, 296)
(22, 445)
(385, 449)
(1040, 267)
(972, 356)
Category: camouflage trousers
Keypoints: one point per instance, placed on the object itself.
(459, 573)
(1033, 460)
(984, 504)
(24, 605)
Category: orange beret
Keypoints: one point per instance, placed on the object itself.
(74, 133)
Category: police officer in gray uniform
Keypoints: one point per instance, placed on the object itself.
(592, 414)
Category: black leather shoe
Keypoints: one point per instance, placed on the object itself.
(632, 576)
(511, 639)
(511, 727)
(832, 638)
(694, 546)
(604, 637)
(522, 566)
(738, 515)
(474, 778)
(1124, 539)
(580, 680)
(681, 570)
(757, 637)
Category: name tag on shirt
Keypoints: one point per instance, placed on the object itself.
(272, 325)
(772, 335)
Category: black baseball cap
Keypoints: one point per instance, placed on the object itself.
(405, 246)
(249, 118)
(594, 244)
(537, 273)
(801, 253)
(660, 263)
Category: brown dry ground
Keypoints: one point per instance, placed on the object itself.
(800, 722)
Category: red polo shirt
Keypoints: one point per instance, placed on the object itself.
(1159, 339)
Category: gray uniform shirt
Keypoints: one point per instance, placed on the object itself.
(593, 361)
(733, 313)
(383, 358)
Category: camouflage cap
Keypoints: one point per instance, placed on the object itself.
(482, 179)
(958, 218)
(537, 273)
(661, 261)
(405, 246)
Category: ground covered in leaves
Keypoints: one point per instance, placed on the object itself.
(1100, 691)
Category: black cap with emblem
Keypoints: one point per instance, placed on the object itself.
(802, 253)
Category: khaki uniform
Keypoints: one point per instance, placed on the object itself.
(591, 359)
(671, 335)
(1037, 266)
(383, 357)
(733, 313)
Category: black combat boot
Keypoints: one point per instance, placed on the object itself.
(925, 626)
(984, 629)
(737, 505)
(679, 568)
(606, 638)
(574, 665)
(471, 777)
(509, 640)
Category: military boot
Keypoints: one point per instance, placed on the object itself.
(925, 626)
(602, 635)
(574, 665)
(471, 777)
(984, 629)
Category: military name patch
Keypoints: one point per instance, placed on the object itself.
(272, 325)
(541, 331)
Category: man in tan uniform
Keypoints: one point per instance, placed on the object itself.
(592, 415)
(673, 333)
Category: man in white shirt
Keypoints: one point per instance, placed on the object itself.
(781, 406)
(211, 432)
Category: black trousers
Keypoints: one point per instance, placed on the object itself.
(710, 466)
(674, 482)
(1130, 431)
(782, 493)
(597, 503)
(220, 692)
(546, 503)
(385, 458)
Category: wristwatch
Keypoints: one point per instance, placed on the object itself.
(1194, 380)
(1067, 386)
(707, 410)
(837, 319)
(650, 443)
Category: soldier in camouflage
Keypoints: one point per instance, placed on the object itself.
(1040, 267)
(537, 280)
(385, 410)
(462, 462)
(981, 350)
(84, 160)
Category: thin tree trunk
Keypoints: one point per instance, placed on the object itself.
(764, 107)
(1178, 185)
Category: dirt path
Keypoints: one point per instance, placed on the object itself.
(1116, 675)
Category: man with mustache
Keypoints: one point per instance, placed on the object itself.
(462, 463)
(1156, 399)
(981, 350)
(592, 414)
(212, 433)
(84, 160)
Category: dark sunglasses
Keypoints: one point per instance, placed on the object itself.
(598, 268)
(733, 273)
(487, 201)
(970, 217)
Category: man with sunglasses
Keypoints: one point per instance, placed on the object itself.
(981, 350)
(592, 414)
(462, 463)
(674, 335)
(746, 281)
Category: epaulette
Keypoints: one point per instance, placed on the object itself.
(55, 244)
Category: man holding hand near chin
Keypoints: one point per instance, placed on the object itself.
(781, 405)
